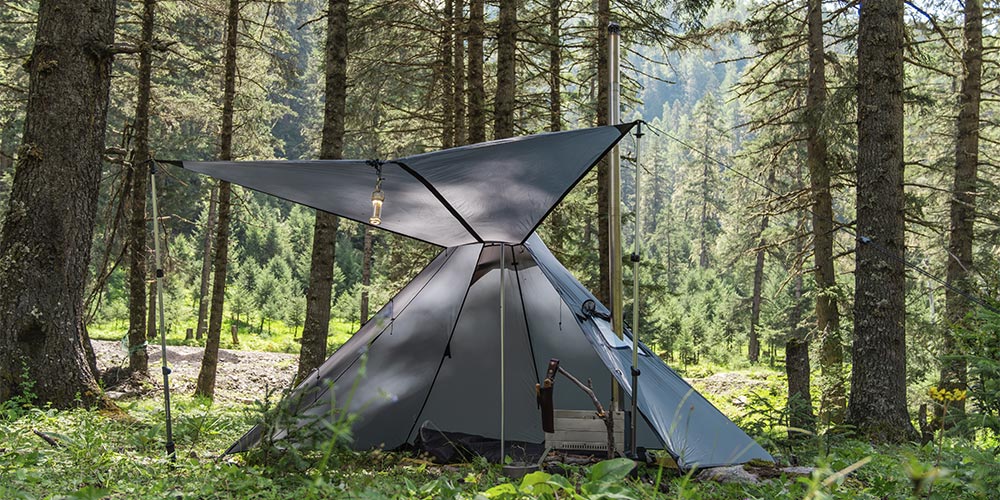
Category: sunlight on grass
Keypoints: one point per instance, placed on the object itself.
(274, 336)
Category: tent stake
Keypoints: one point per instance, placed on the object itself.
(503, 396)
(159, 296)
(636, 248)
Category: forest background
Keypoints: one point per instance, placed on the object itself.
(729, 206)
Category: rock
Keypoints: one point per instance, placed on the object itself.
(798, 471)
(734, 474)
(116, 395)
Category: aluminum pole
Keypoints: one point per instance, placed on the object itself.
(163, 329)
(614, 201)
(502, 315)
(636, 249)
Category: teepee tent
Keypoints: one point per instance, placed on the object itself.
(462, 346)
(431, 356)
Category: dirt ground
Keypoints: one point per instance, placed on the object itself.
(243, 376)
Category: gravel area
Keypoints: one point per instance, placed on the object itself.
(242, 376)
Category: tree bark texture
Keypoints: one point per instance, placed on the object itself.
(877, 406)
(210, 360)
(503, 108)
(703, 251)
(46, 238)
(800, 411)
(138, 256)
(206, 264)
(458, 75)
(753, 349)
(963, 202)
(447, 77)
(477, 92)
(827, 315)
(318, 295)
(604, 167)
(555, 222)
(555, 67)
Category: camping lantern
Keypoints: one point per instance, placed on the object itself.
(377, 198)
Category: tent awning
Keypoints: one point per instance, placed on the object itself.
(496, 191)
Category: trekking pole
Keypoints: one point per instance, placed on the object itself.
(636, 248)
(159, 295)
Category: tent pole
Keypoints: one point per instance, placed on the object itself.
(614, 201)
(636, 249)
(502, 325)
(159, 296)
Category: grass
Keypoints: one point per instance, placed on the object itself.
(103, 457)
(275, 337)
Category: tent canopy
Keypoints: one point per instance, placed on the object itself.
(496, 191)
(431, 359)
(430, 356)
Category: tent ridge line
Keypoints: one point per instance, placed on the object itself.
(437, 194)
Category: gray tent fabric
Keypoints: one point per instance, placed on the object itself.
(430, 359)
(496, 191)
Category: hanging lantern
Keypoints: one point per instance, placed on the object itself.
(377, 198)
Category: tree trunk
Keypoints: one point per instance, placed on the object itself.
(877, 405)
(458, 75)
(317, 324)
(963, 203)
(800, 411)
(503, 112)
(555, 67)
(447, 78)
(210, 360)
(206, 265)
(46, 239)
(604, 167)
(703, 256)
(556, 225)
(477, 93)
(138, 257)
(827, 315)
(366, 274)
(753, 350)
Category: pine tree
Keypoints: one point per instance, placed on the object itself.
(318, 297)
(877, 406)
(138, 254)
(963, 203)
(46, 237)
(220, 261)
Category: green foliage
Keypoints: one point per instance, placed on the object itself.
(983, 344)
(15, 407)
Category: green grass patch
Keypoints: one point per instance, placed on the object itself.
(98, 456)
(274, 336)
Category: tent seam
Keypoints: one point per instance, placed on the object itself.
(447, 347)
(437, 194)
